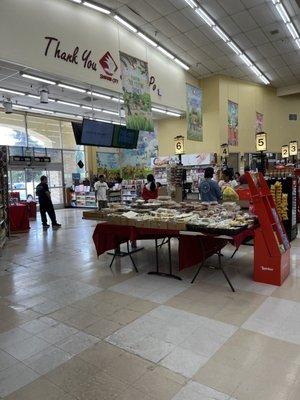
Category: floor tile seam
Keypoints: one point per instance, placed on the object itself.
(270, 337)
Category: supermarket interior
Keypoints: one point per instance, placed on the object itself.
(150, 200)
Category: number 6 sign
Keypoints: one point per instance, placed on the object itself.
(261, 141)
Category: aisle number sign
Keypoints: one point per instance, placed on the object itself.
(285, 151)
(294, 148)
(225, 150)
(261, 141)
(179, 145)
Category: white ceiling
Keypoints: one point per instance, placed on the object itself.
(10, 78)
(249, 23)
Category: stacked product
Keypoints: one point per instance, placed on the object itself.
(281, 200)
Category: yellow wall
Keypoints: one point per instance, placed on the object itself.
(171, 127)
(251, 98)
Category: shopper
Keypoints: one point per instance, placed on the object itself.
(227, 180)
(118, 184)
(237, 177)
(243, 180)
(46, 205)
(150, 191)
(101, 189)
(208, 188)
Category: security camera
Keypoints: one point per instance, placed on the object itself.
(7, 104)
(44, 96)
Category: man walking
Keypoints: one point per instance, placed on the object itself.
(46, 206)
(101, 189)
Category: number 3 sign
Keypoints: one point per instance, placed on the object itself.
(261, 141)
(294, 148)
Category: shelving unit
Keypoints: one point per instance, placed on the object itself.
(131, 189)
(84, 197)
(4, 222)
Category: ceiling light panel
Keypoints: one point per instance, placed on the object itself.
(125, 23)
(100, 95)
(206, 18)
(220, 33)
(74, 88)
(287, 20)
(166, 53)
(66, 103)
(147, 39)
(110, 112)
(12, 91)
(191, 3)
(95, 7)
(37, 78)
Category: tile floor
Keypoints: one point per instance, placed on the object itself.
(72, 329)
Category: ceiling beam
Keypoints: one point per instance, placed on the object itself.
(288, 90)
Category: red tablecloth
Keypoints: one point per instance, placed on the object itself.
(18, 218)
(31, 206)
(107, 237)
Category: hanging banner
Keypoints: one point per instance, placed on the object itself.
(194, 113)
(233, 121)
(259, 122)
(137, 101)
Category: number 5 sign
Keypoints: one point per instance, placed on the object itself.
(294, 148)
(261, 141)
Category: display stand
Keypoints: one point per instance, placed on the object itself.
(271, 244)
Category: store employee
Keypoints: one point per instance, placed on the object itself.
(209, 189)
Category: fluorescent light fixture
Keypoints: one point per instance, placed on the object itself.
(158, 110)
(117, 100)
(51, 100)
(281, 10)
(234, 47)
(173, 114)
(264, 79)
(98, 109)
(94, 7)
(246, 60)
(20, 107)
(87, 107)
(12, 91)
(298, 42)
(110, 112)
(122, 123)
(77, 1)
(125, 23)
(166, 53)
(292, 30)
(41, 110)
(37, 78)
(59, 114)
(76, 89)
(66, 103)
(148, 40)
(206, 18)
(102, 120)
(184, 66)
(33, 96)
(102, 96)
(256, 70)
(191, 3)
(220, 33)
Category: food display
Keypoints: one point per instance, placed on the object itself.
(223, 218)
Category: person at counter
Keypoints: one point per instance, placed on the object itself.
(227, 180)
(150, 191)
(118, 184)
(101, 189)
(243, 180)
(208, 188)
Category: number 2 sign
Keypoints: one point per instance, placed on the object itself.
(285, 151)
(261, 141)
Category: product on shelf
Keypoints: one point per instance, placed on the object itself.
(281, 200)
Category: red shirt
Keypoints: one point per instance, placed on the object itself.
(148, 194)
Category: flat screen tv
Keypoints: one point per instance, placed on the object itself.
(96, 133)
(125, 138)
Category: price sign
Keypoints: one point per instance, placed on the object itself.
(261, 141)
(294, 148)
(225, 150)
(179, 146)
(285, 151)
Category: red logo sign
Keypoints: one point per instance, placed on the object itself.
(108, 64)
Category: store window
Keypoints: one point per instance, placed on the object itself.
(68, 136)
(43, 132)
(12, 130)
(71, 159)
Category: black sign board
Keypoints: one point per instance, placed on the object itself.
(42, 159)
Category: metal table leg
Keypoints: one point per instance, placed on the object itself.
(157, 272)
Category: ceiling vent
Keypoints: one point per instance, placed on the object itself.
(293, 117)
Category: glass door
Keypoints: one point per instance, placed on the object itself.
(17, 183)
